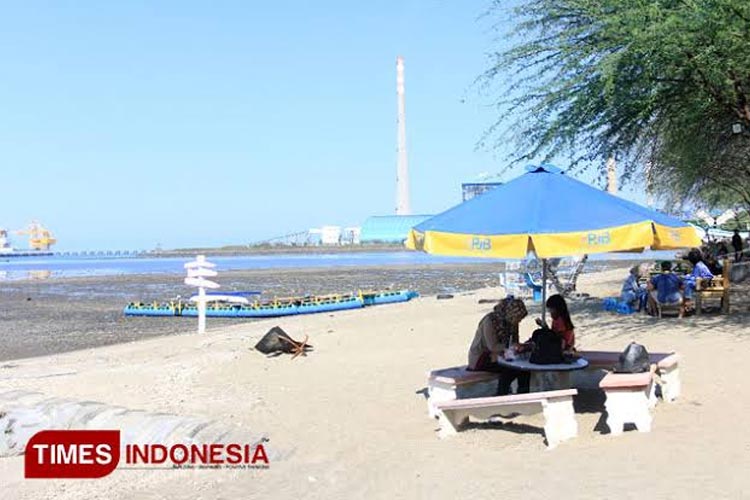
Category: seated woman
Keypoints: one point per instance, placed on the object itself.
(632, 292)
(665, 288)
(561, 322)
(498, 331)
(700, 270)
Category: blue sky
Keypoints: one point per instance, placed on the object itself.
(127, 124)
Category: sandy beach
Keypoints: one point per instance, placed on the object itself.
(351, 422)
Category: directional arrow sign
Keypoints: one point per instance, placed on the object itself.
(202, 282)
(200, 272)
(199, 263)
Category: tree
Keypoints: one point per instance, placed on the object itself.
(660, 83)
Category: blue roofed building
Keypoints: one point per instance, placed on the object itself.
(389, 228)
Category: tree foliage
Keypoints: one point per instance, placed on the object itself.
(659, 83)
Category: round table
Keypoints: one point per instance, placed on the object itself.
(545, 377)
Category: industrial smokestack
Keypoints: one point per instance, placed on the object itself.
(649, 186)
(403, 204)
(611, 175)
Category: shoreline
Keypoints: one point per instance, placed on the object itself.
(64, 314)
(53, 316)
(240, 250)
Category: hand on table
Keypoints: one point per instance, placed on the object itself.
(526, 346)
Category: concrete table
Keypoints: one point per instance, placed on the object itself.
(545, 377)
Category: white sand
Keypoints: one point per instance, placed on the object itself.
(356, 427)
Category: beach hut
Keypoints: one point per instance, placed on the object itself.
(549, 214)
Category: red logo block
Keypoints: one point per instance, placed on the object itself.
(72, 454)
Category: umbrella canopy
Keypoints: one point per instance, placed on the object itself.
(551, 214)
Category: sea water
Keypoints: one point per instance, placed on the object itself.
(63, 266)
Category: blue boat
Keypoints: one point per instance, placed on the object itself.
(274, 309)
(256, 310)
(388, 297)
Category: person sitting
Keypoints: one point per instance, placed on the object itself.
(713, 265)
(633, 293)
(665, 288)
(561, 322)
(700, 270)
(496, 332)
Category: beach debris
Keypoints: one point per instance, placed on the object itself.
(277, 342)
(489, 301)
(444, 296)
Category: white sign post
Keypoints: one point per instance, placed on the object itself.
(197, 272)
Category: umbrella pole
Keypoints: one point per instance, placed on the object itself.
(544, 290)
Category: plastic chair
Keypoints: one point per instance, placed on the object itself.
(536, 289)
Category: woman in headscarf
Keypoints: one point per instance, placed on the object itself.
(496, 332)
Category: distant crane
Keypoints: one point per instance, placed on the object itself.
(40, 238)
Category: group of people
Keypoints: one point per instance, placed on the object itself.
(718, 250)
(498, 332)
(666, 287)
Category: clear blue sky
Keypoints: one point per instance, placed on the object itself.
(127, 124)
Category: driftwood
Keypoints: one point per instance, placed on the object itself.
(276, 342)
(489, 301)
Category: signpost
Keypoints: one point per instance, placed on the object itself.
(197, 272)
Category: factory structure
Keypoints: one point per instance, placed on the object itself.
(386, 229)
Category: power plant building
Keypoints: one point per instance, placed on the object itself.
(389, 228)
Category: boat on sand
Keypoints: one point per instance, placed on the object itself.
(226, 306)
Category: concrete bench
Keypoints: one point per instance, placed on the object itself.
(629, 400)
(559, 418)
(667, 369)
(457, 382)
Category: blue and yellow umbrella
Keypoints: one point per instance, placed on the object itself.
(549, 214)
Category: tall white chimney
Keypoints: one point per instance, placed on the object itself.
(612, 175)
(403, 204)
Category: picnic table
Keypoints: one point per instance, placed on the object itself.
(545, 377)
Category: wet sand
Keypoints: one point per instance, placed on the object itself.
(57, 315)
(43, 317)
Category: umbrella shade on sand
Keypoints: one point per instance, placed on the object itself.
(549, 214)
